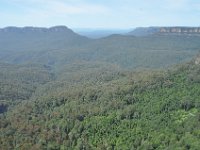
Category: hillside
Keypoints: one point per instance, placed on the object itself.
(128, 110)
(131, 52)
(55, 36)
(60, 90)
(58, 46)
(23, 44)
(19, 82)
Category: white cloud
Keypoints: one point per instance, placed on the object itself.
(64, 8)
(102, 13)
(52, 12)
(67, 7)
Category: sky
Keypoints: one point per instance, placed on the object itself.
(105, 14)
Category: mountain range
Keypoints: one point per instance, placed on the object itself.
(60, 45)
(60, 90)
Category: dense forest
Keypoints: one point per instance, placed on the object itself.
(129, 110)
(110, 93)
(58, 46)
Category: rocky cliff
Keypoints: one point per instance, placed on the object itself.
(145, 31)
(183, 30)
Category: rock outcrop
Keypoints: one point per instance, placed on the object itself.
(145, 31)
(197, 60)
(183, 30)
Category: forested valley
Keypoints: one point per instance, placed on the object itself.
(63, 91)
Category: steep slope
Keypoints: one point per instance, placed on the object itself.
(154, 51)
(19, 82)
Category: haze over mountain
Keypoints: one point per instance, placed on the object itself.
(33, 38)
(100, 33)
(59, 45)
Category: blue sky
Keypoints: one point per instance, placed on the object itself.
(99, 13)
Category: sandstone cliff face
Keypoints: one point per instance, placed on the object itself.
(197, 60)
(177, 30)
(184, 30)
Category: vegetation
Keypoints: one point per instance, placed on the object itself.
(132, 110)
(59, 46)
(84, 94)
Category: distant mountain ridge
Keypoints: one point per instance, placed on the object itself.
(100, 33)
(35, 29)
(37, 32)
(145, 31)
(25, 38)
(59, 45)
